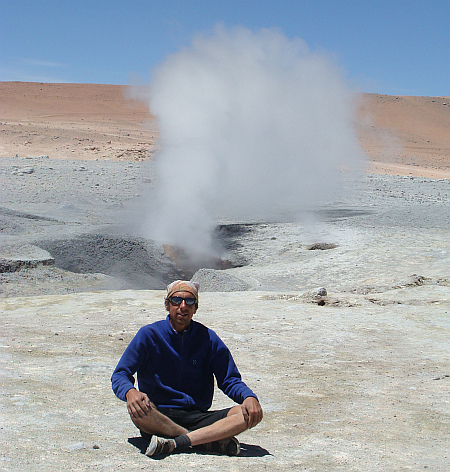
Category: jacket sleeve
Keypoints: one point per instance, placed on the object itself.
(122, 378)
(227, 374)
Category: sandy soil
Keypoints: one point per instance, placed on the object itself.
(406, 135)
(67, 121)
(355, 380)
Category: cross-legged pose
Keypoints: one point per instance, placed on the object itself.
(176, 360)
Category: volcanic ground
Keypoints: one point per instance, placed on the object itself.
(338, 321)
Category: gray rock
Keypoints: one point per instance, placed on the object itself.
(321, 292)
(321, 246)
(76, 446)
(16, 257)
(23, 170)
(212, 280)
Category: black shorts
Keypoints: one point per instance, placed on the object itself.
(194, 419)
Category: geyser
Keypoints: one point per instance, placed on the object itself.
(253, 126)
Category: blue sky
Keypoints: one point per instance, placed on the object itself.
(396, 47)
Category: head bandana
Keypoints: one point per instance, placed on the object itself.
(183, 286)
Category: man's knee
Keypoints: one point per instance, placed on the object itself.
(151, 409)
(140, 421)
(237, 413)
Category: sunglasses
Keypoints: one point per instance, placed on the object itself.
(178, 300)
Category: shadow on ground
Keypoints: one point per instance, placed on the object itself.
(247, 450)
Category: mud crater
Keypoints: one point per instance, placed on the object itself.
(138, 261)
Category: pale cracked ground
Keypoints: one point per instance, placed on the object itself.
(361, 383)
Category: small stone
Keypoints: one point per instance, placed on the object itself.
(25, 170)
(76, 446)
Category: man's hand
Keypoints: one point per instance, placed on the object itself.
(252, 411)
(138, 403)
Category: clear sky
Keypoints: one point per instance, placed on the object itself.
(396, 47)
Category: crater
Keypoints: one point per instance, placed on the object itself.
(138, 261)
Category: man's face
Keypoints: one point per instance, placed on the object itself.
(180, 315)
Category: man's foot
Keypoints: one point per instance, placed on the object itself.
(159, 446)
(228, 446)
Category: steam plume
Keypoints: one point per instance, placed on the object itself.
(252, 125)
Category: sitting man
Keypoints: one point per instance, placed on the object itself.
(176, 360)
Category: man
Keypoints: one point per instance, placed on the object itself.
(176, 360)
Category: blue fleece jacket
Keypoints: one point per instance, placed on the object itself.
(176, 370)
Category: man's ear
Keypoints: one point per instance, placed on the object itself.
(166, 304)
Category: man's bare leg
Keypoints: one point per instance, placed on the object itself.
(155, 422)
(226, 428)
(232, 425)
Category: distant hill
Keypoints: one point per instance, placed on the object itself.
(400, 134)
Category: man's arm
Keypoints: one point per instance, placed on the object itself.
(252, 411)
(135, 354)
(227, 374)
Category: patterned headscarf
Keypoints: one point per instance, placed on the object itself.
(183, 286)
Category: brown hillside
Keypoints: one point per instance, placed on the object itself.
(401, 135)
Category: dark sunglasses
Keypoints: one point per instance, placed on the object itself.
(178, 300)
